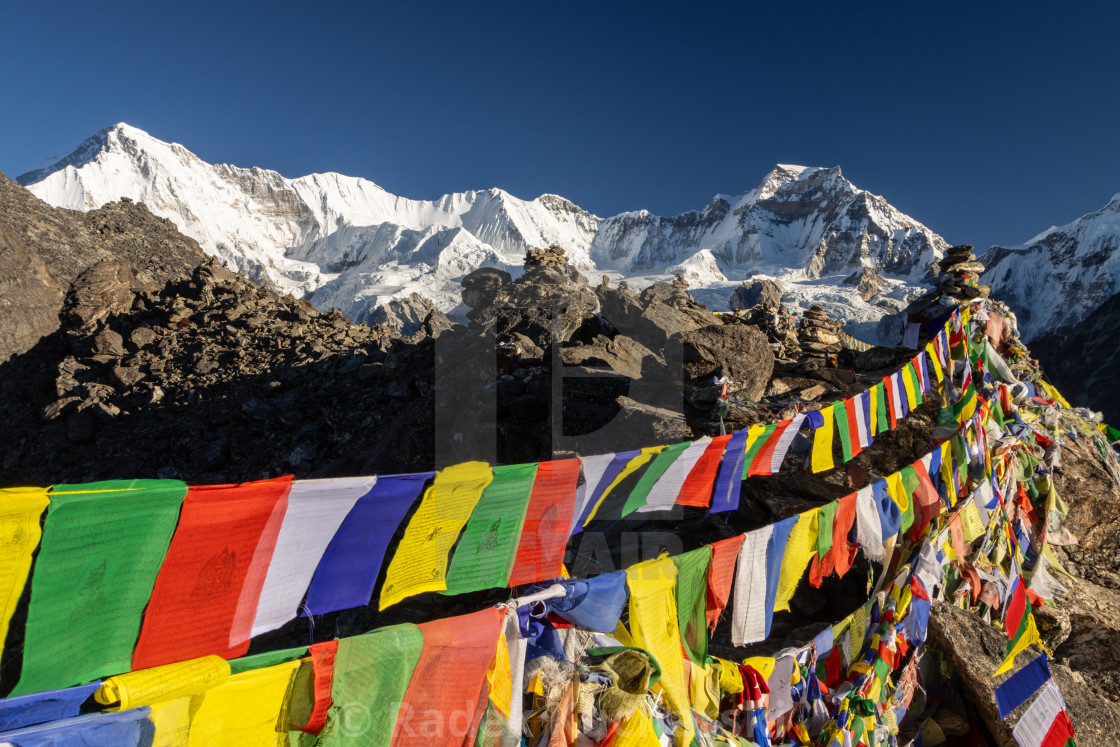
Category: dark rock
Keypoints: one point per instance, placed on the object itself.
(109, 342)
(765, 292)
(738, 351)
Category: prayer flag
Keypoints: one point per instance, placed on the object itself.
(20, 509)
(720, 574)
(207, 590)
(244, 710)
(316, 509)
(102, 547)
(729, 482)
(484, 555)
(660, 465)
(822, 442)
(697, 487)
(40, 708)
(800, 548)
(447, 693)
(544, 536)
(347, 572)
(420, 563)
(371, 675)
(1019, 687)
(691, 594)
(654, 627)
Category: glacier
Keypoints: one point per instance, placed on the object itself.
(345, 242)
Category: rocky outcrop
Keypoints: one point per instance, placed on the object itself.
(766, 293)
(44, 250)
(868, 282)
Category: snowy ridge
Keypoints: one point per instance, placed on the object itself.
(1078, 263)
(345, 242)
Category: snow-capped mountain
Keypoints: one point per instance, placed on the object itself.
(1078, 263)
(345, 242)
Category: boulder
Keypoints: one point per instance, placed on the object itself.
(740, 352)
(30, 296)
(106, 288)
(481, 286)
(765, 292)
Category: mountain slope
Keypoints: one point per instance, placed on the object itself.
(45, 250)
(1082, 359)
(1078, 263)
(345, 242)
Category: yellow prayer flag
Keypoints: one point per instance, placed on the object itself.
(822, 442)
(764, 665)
(908, 386)
(637, 731)
(653, 626)
(500, 678)
(730, 678)
(246, 711)
(947, 472)
(159, 684)
(873, 408)
(420, 563)
(1030, 635)
(20, 509)
(931, 354)
(897, 491)
(800, 548)
(972, 525)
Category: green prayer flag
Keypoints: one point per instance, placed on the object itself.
(841, 417)
(653, 473)
(825, 518)
(371, 675)
(103, 545)
(485, 552)
(692, 600)
(882, 421)
(266, 659)
(756, 447)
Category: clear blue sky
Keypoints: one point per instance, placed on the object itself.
(988, 122)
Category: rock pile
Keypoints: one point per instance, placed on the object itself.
(818, 335)
(553, 255)
(961, 274)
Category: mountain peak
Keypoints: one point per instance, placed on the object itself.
(103, 140)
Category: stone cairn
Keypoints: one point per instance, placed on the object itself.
(553, 255)
(818, 335)
(960, 276)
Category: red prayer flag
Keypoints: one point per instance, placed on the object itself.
(697, 487)
(548, 520)
(721, 572)
(925, 500)
(322, 668)
(444, 700)
(1016, 608)
(1060, 731)
(853, 424)
(888, 386)
(761, 464)
(212, 572)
